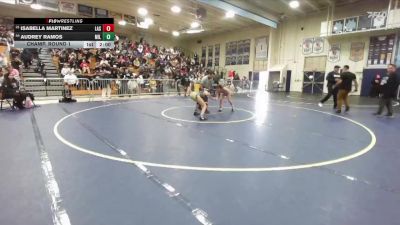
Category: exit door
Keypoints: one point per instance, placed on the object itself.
(313, 82)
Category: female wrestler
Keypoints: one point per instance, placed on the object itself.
(201, 99)
(224, 92)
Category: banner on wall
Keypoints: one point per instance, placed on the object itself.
(318, 45)
(117, 16)
(357, 51)
(8, 1)
(334, 53)
(67, 7)
(203, 55)
(308, 46)
(216, 58)
(26, 2)
(130, 19)
(210, 55)
(397, 59)
(84, 10)
(381, 49)
(351, 24)
(338, 26)
(378, 19)
(51, 5)
(100, 13)
(262, 48)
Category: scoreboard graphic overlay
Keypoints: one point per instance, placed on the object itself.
(64, 32)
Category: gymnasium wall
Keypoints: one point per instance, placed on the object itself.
(247, 33)
(289, 36)
(166, 41)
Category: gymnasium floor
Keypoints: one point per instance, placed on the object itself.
(277, 160)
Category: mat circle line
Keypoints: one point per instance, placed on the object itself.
(314, 103)
(218, 169)
(164, 114)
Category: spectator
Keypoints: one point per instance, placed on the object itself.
(345, 85)
(65, 70)
(140, 80)
(26, 57)
(245, 83)
(10, 89)
(14, 73)
(207, 81)
(389, 85)
(85, 67)
(375, 86)
(105, 84)
(70, 79)
(1, 76)
(3, 60)
(104, 62)
(16, 63)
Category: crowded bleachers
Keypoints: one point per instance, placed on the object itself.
(131, 67)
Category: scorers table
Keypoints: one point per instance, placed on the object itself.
(64, 32)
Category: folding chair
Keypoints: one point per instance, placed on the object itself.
(10, 102)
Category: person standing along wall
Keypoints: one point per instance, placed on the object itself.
(389, 85)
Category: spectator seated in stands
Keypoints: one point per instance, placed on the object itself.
(16, 62)
(104, 63)
(128, 60)
(85, 67)
(10, 90)
(26, 57)
(14, 73)
(65, 70)
(70, 79)
(3, 60)
(1, 76)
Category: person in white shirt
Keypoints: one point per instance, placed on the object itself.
(140, 81)
(65, 70)
(1, 76)
(3, 60)
(70, 79)
(104, 62)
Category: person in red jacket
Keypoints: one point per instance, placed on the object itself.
(375, 86)
(85, 67)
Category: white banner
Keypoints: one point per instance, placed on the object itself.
(318, 45)
(308, 46)
(334, 53)
(262, 48)
(8, 1)
(27, 2)
(49, 4)
(67, 7)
